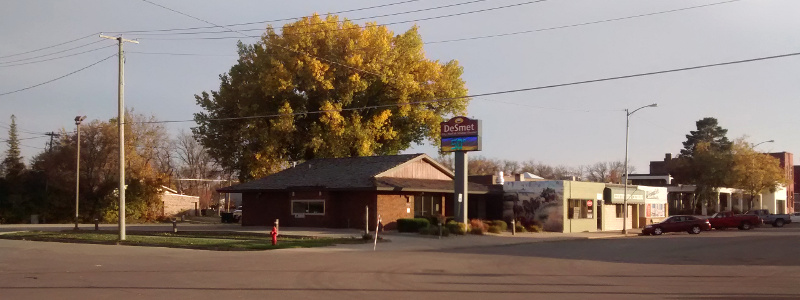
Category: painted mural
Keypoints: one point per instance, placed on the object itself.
(535, 202)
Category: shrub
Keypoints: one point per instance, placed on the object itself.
(500, 223)
(495, 229)
(520, 228)
(434, 230)
(476, 225)
(412, 225)
(456, 227)
(534, 228)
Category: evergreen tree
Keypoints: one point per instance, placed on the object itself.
(12, 165)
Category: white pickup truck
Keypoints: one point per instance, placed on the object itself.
(777, 220)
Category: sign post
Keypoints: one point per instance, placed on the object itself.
(459, 135)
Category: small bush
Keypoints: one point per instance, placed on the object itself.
(476, 225)
(495, 229)
(520, 228)
(500, 223)
(434, 230)
(456, 227)
(412, 225)
(534, 228)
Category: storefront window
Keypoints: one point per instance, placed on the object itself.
(308, 207)
(620, 211)
(580, 209)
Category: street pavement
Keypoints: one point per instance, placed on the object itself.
(732, 264)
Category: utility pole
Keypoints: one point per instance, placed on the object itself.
(51, 135)
(78, 121)
(121, 126)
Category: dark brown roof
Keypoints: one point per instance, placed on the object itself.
(350, 173)
(424, 185)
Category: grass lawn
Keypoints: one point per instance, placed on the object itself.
(208, 240)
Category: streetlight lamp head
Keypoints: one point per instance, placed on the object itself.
(771, 141)
(653, 105)
(79, 119)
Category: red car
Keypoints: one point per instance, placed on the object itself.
(689, 224)
(727, 219)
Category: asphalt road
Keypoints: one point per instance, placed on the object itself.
(758, 264)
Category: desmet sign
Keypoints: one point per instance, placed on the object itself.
(461, 134)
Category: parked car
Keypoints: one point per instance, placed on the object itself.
(728, 219)
(795, 217)
(689, 224)
(777, 220)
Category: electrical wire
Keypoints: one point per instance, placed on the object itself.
(51, 54)
(261, 22)
(305, 25)
(279, 46)
(22, 139)
(353, 28)
(55, 58)
(49, 47)
(60, 77)
(179, 54)
(549, 108)
(580, 24)
(501, 92)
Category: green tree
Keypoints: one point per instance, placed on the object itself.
(708, 131)
(755, 172)
(334, 66)
(12, 164)
(705, 161)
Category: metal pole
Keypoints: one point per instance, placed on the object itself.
(77, 169)
(625, 193)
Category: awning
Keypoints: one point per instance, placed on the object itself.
(616, 195)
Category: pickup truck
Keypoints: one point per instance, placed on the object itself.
(728, 219)
(777, 220)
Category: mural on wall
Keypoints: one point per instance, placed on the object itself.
(535, 202)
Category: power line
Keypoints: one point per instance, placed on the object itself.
(551, 108)
(279, 46)
(502, 92)
(354, 28)
(580, 24)
(261, 22)
(48, 47)
(179, 54)
(22, 139)
(55, 58)
(305, 25)
(51, 54)
(60, 77)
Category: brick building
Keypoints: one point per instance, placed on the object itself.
(334, 192)
(787, 164)
(796, 189)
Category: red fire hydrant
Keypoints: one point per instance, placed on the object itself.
(274, 234)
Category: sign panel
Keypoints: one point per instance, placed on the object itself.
(460, 134)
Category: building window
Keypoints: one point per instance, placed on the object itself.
(656, 211)
(620, 211)
(580, 209)
(308, 207)
(781, 205)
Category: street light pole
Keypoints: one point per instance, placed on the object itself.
(625, 192)
(78, 121)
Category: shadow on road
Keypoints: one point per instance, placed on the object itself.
(752, 250)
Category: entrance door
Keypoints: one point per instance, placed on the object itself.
(598, 211)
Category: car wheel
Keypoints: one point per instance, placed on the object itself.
(657, 231)
(778, 223)
(695, 230)
(744, 226)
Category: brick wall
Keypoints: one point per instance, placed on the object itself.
(395, 206)
(786, 163)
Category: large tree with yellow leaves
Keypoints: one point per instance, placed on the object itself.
(373, 89)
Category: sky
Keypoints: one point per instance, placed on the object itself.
(569, 125)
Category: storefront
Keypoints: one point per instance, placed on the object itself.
(654, 209)
(613, 207)
(556, 206)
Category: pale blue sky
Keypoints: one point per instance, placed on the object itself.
(571, 126)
